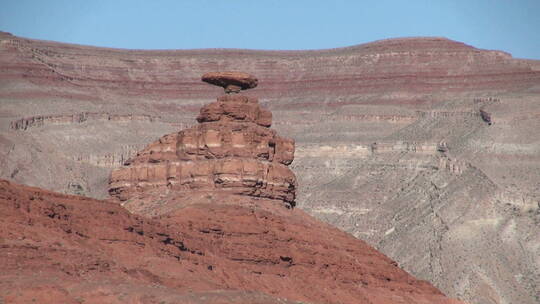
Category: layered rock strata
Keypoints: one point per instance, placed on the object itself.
(418, 65)
(415, 90)
(26, 123)
(231, 151)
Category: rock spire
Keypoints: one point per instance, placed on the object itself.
(231, 153)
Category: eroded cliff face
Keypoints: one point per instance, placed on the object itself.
(427, 205)
(415, 65)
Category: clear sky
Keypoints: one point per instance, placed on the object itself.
(509, 25)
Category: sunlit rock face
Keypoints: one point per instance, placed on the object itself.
(59, 248)
(232, 151)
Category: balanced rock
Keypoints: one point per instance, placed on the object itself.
(232, 82)
(231, 152)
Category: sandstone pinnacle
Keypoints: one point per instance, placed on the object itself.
(232, 82)
(231, 153)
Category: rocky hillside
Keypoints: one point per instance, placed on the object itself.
(58, 248)
(226, 232)
(424, 147)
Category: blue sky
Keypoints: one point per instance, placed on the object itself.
(509, 25)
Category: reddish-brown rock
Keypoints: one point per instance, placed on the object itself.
(59, 248)
(231, 151)
(232, 82)
(236, 108)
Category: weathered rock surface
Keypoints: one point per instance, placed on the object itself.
(465, 217)
(231, 151)
(236, 108)
(232, 82)
(41, 121)
(57, 248)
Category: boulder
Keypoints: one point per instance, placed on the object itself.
(231, 81)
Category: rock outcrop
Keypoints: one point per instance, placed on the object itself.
(232, 82)
(45, 120)
(57, 248)
(231, 151)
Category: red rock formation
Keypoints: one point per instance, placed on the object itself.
(232, 82)
(231, 151)
(59, 248)
(236, 108)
